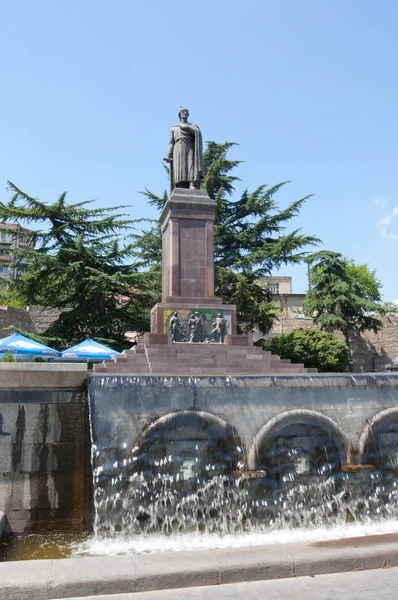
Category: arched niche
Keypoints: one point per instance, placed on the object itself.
(378, 444)
(299, 442)
(191, 444)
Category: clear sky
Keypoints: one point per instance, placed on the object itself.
(308, 88)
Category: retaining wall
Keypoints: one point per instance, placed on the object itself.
(44, 446)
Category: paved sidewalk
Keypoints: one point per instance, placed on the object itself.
(143, 573)
(378, 584)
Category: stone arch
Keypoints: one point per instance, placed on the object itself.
(188, 435)
(169, 417)
(390, 414)
(296, 416)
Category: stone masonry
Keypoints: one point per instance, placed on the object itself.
(370, 351)
(187, 223)
(155, 355)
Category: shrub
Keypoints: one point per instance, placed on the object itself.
(8, 357)
(313, 348)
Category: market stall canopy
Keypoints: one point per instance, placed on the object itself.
(19, 344)
(90, 350)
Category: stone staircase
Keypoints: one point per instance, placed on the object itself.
(156, 355)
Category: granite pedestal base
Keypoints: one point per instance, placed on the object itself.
(155, 354)
(162, 312)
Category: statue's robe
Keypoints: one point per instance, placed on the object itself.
(186, 150)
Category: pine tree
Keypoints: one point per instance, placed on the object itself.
(250, 240)
(82, 261)
(342, 296)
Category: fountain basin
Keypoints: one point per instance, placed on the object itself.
(125, 574)
(301, 443)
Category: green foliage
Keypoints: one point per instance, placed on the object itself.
(316, 349)
(365, 279)
(342, 296)
(39, 359)
(249, 240)
(8, 357)
(9, 298)
(82, 260)
(389, 307)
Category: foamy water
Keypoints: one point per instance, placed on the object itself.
(185, 484)
(97, 546)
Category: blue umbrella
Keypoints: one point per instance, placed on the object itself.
(90, 350)
(19, 344)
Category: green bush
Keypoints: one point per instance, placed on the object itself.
(8, 357)
(39, 359)
(313, 348)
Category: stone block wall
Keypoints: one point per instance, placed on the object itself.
(370, 351)
(42, 318)
(34, 319)
(14, 316)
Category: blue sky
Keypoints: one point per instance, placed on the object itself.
(307, 88)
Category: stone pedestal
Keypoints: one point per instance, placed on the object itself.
(188, 261)
(187, 246)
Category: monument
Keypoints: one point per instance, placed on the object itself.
(187, 245)
(190, 316)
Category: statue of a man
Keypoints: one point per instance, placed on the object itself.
(185, 153)
(195, 325)
(219, 328)
(175, 326)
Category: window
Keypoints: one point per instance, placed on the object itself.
(4, 271)
(274, 288)
(5, 237)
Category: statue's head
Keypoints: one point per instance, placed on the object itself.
(219, 315)
(183, 111)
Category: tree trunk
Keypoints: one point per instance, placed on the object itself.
(346, 334)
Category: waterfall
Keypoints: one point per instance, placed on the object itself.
(170, 454)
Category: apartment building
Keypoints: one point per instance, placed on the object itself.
(281, 289)
(10, 265)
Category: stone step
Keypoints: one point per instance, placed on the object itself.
(198, 359)
(213, 365)
(137, 360)
(126, 369)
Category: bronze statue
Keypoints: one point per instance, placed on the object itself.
(219, 330)
(176, 329)
(185, 153)
(196, 329)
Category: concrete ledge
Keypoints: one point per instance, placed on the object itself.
(93, 576)
(45, 376)
(381, 584)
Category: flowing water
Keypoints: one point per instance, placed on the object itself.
(185, 484)
(181, 481)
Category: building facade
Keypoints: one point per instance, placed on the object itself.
(12, 236)
(281, 290)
